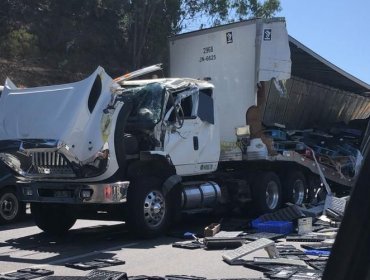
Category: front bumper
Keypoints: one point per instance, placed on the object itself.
(105, 193)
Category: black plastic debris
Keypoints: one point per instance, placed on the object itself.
(214, 243)
(234, 224)
(26, 273)
(184, 277)
(317, 264)
(3, 277)
(240, 279)
(297, 257)
(107, 274)
(288, 250)
(319, 246)
(290, 213)
(94, 264)
(229, 234)
(318, 227)
(280, 261)
(333, 215)
(282, 274)
(308, 275)
(145, 277)
(241, 262)
(321, 223)
(268, 235)
(95, 275)
(65, 278)
(273, 268)
(111, 261)
(336, 204)
(304, 238)
(18, 276)
(313, 211)
(37, 271)
(192, 244)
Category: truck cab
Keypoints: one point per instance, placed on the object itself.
(104, 136)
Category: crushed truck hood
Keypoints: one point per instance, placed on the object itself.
(59, 132)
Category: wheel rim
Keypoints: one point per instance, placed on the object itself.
(272, 195)
(154, 209)
(8, 206)
(298, 192)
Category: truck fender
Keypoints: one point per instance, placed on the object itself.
(171, 182)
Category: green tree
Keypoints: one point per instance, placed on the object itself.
(151, 22)
(120, 35)
(207, 13)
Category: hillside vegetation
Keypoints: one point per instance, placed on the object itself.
(56, 41)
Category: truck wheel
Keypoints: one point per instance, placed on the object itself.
(148, 208)
(55, 219)
(11, 209)
(267, 192)
(295, 188)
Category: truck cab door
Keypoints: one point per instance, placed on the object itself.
(192, 139)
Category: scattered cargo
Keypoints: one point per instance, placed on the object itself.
(286, 260)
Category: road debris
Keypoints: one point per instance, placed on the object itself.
(26, 273)
(94, 264)
(315, 224)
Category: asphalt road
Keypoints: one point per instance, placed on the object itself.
(23, 245)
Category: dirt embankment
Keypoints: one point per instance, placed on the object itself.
(30, 74)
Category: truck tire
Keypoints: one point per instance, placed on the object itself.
(55, 219)
(11, 209)
(267, 192)
(148, 208)
(295, 188)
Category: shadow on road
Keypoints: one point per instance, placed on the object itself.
(26, 221)
(92, 242)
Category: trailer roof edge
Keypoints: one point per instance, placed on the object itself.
(349, 83)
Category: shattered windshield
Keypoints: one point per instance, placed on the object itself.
(147, 102)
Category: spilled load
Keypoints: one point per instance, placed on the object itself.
(147, 150)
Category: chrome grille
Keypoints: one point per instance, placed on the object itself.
(48, 159)
(50, 163)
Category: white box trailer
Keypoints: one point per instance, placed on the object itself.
(235, 58)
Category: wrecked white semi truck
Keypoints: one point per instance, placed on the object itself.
(147, 150)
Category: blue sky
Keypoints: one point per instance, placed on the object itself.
(338, 30)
